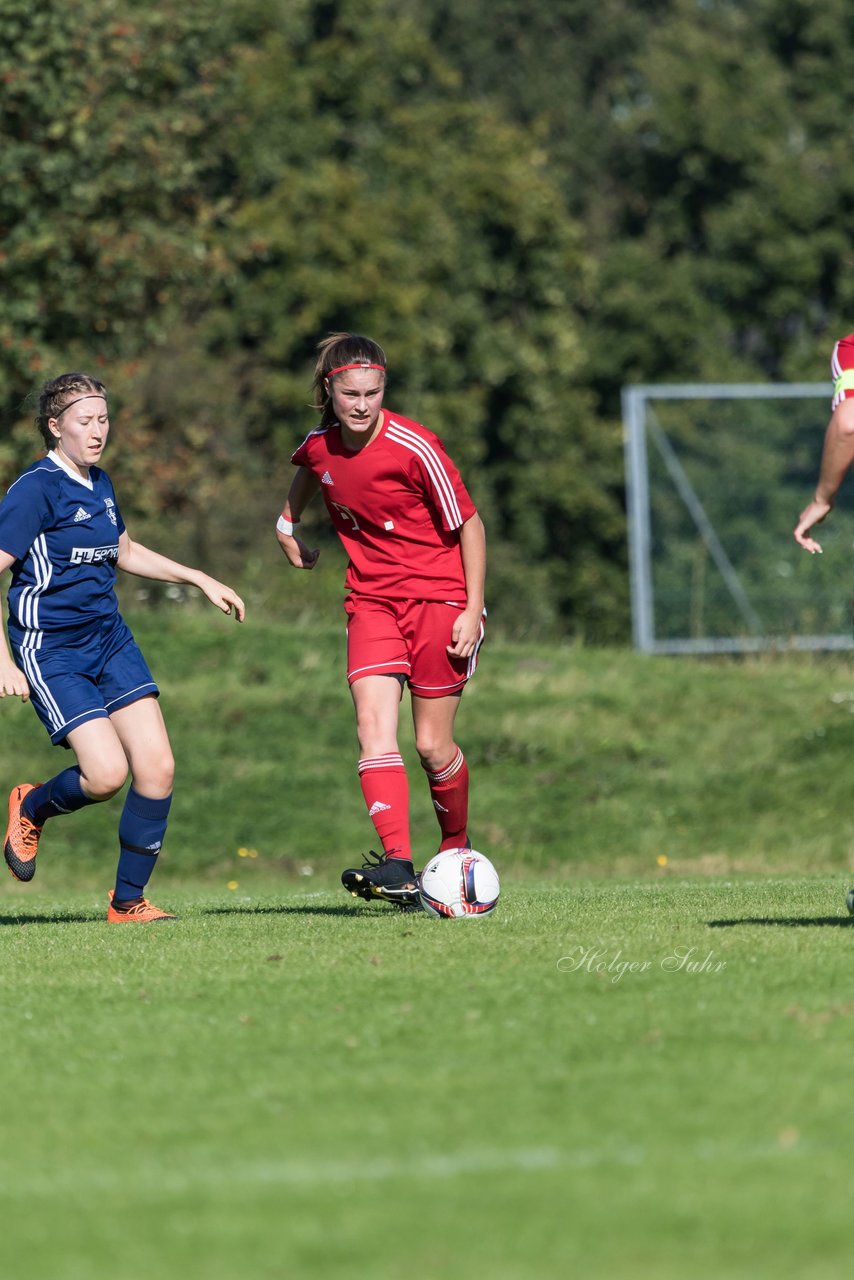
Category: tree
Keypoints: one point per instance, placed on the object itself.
(210, 189)
(399, 207)
(111, 186)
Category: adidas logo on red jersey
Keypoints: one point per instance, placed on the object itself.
(326, 478)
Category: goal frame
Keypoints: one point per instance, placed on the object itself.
(637, 433)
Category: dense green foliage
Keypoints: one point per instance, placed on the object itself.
(528, 205)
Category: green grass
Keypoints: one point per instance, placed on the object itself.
(582, 761)
(638, 1067)
(288, 1083)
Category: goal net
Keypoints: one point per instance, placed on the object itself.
(716, 476)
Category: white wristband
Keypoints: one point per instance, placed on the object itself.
(286, 526)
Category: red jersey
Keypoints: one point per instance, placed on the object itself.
(397, 505)
(842, 369)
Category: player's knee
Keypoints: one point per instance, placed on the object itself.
(374, 733)
(157, 776)
(104, 779)
(166, 779)
(434, 753)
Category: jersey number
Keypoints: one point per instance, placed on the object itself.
(346, 514)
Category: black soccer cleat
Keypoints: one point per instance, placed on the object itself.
(381, 876)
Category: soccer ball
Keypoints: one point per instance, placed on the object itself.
(459, 883)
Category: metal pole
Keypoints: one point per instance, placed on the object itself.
(637, 512)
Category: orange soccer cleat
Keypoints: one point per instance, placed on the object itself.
(22, 836)
(142, 912)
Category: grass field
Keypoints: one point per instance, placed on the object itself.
(638, 1067)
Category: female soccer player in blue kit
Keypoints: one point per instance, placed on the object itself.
(72, 654)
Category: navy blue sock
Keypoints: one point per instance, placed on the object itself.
(62, 794)
(142, 827)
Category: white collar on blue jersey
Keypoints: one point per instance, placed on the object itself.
(69, 471)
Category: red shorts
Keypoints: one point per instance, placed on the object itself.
(407, 638)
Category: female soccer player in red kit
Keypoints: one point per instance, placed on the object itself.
(415, 606)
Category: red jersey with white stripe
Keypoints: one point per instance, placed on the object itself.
(397, 505)
(842, 369)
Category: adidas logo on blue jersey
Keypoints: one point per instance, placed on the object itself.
(80, 514)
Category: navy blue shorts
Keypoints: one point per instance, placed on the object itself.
(94, 671)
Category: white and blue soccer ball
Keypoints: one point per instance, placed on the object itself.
(459, 884)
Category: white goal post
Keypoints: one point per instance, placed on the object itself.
(716, 474)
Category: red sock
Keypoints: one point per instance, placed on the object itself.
(386, 791)
(449, 789)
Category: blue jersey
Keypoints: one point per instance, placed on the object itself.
(64, 533)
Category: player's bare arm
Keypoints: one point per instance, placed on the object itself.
(13, 682)
(465, 632)
(142, 562)
(303, 488)
(837, 456)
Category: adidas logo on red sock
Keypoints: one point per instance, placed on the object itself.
(377, 807)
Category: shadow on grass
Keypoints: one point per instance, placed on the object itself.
(95, 918)
(283, 911)
(52, 919)
(788, 922)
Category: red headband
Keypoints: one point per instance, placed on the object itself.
(360, 364)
